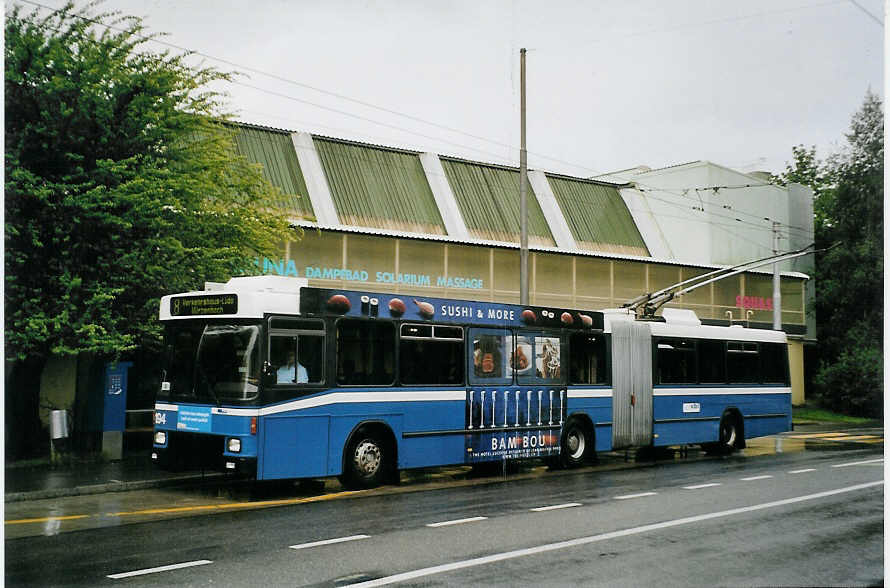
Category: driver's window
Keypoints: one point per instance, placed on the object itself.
(296, 351)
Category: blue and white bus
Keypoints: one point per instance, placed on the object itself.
(275, 379)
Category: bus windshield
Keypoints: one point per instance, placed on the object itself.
(217, 363)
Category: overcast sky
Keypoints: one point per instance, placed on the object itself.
(611, 84)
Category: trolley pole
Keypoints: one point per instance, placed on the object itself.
(523, 188)
(777, 289)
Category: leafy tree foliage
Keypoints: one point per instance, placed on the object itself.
(122, 184)
(848, 210)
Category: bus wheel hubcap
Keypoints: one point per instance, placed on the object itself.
(729, 434)
(575, 444)
(367, 457)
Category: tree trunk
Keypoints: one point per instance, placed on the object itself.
(25, 436)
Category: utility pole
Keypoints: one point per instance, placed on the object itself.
(523, 188)
(777, 289)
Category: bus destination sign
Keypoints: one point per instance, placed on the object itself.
(204, 305)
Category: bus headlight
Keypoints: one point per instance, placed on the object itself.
(160, 438)
(234, 445)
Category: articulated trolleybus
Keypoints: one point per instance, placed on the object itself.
(275, 379)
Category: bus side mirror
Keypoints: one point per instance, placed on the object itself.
(269, 375)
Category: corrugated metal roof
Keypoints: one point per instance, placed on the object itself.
(597, 216)
(488, 198)
(274, 150)
(377, 187)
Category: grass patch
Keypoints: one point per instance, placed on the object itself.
(806, 413)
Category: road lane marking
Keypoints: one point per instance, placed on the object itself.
(752, 478)
(507, 555)
(699, 486)
(232, 505)
(856, 463)
(196, 508)
(803, 471)
(45, 519)
(457, 522)
(329, 541)
(640, 495)
(555, 507)
(188, 564)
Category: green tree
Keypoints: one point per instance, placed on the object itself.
(122, 184)
(806, 169)
(848, 207)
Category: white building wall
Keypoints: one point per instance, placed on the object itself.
(686, 231)
(682, 217)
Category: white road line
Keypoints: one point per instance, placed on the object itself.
(699, 486)
(555, 507)
(329, 541)
(803, 471)
(188, 564)
(752, 478)
(457, 522)
(856, 463)
(640, 495)
(469, 563)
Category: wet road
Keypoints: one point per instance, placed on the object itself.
(789, 510)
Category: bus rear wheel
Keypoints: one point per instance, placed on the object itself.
(366, 461)
(576, 445)
(729, 439)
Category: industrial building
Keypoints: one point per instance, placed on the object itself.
(384, 218)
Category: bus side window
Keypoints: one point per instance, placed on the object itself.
(676, 361)
(742, 362)
(711, 361)
(365, 353)
(774, 362)
(488, 356)
(431, 355)
(587, 359)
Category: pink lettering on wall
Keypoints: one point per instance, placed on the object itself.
(754, 302)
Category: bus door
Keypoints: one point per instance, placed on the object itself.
(631, 384)
(516, 395)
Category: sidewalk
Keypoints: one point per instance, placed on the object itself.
(134, 472)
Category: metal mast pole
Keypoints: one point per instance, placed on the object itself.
(523, 183)
(777, 290)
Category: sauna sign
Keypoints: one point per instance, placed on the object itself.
(754, 302)
(289, 268)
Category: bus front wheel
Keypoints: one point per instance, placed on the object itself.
(366, 461)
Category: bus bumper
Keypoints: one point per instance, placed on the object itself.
(242, 466)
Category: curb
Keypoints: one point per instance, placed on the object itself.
(106, 488)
